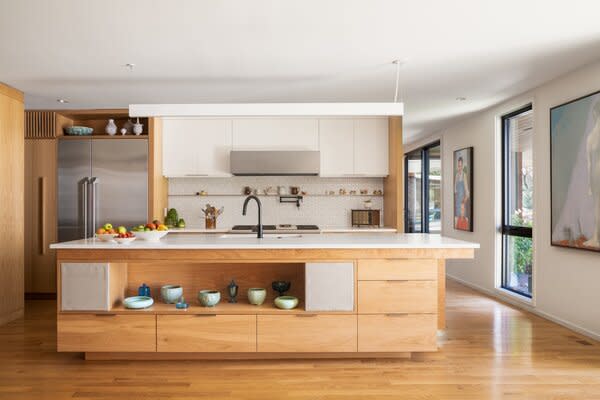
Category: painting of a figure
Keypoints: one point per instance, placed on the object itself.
(463, 185)
(575, 169)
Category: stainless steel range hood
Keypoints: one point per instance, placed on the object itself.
(275, 162)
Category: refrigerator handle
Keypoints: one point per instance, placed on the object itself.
(84, 206)
(93, 182)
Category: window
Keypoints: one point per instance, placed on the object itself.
(423, 190)
(517, 201)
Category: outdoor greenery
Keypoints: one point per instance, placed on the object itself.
(523, 247)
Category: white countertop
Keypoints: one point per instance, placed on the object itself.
(323, 230)
(373, 240)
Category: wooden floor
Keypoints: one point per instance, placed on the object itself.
(490, 351)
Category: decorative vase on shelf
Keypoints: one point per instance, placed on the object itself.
(138, 128)
(111, 127)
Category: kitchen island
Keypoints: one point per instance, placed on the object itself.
(361, 295)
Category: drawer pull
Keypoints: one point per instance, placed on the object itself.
(306, 315)
(106, 315)
(397, 315)
(206, 315)
(396, 280)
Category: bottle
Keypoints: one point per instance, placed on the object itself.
(144, 290)
(111, 127)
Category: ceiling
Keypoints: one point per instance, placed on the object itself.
(226, 51)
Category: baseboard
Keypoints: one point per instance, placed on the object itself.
(518, 304)
(108, 356)
(11, 316)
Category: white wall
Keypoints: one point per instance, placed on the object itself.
(566, 281)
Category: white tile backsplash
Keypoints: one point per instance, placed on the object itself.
(320, 209)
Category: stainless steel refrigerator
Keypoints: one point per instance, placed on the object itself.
(100, 181)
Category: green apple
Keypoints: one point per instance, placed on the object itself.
(121, 229)
(107, 227)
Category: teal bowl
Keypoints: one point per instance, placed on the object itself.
(171, 294)
(78, 131)
(209, 298)
(137, 302)
(286, 302)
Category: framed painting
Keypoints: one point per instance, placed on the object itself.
(575, 173)
(463, 189)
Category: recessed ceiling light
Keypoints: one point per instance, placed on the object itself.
(62, 101)
(130, 66)
(460, 98)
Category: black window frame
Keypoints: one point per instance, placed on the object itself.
(424, 152)
(507, 229)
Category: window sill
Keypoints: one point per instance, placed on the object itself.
(515, 296)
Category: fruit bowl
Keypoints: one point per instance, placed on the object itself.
(151, 236)
(106, 237)
(127, 240)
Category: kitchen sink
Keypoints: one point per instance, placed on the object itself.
(266, 235)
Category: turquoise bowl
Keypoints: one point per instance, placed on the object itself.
(257, 296)
(79, 131)
(171, 294)
(209, 298)
(138, 302)
(286, 302)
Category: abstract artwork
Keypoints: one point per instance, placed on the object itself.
(463, 186)
(575, 173)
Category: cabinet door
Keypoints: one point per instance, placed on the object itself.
(371, 146)
(336, 145)
(206, 333)
(397, 332)
(309, 333)
(106, 332)
(196, 147)
(413, 297)
(276, 134)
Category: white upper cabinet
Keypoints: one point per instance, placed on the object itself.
(336, 145)
(196, 147)
(276, 134)
(371, 146)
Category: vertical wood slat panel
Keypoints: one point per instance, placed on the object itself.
(40, 124)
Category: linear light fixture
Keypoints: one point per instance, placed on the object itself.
(266, 109)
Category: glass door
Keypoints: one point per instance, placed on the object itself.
(423, 190)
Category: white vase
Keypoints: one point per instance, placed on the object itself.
(111, 127)
(138, 128)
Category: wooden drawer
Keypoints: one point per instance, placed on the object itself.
(106, 332)
(397, 332)
(206, 333)
(413, 297)
(407, 270)
(306, 333)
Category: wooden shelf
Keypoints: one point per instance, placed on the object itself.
(115, 137)
(224, 308)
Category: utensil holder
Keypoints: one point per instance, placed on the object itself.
(210, 222)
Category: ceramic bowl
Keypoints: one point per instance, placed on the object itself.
(171, 294)
(209, 298)
(78, 131)
(151, 236)
(124, 240)
(286, 302)
(138, 302)
(106, 237)
(281, 286)
(257, 296)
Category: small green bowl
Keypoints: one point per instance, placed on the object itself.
(257, 296)
(209, 298)
(78, 131)
(286, 302)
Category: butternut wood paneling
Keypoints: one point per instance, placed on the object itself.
(206, 333)
(393, 184)
(197, 276)
(441, 323)
(377, 270)
(306, 333)
(157, 183)
(12, 203)
(397, 332)
(397, 297)
(106, 332)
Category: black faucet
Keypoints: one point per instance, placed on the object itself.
(259, 231)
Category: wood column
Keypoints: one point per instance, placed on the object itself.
(393, 185)
(12, 184)
(157, 183)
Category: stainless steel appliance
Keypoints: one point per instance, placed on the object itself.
(99, 181)
(281, 228)
(275, 162)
